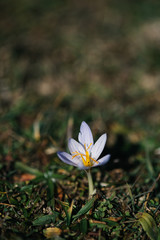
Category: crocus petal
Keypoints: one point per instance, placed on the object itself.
(75, 146)
(80, 151)
(98, 146)
(81, 166)
(66, 158)
(102, 161)
(85, 136)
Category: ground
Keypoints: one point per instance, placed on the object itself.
(61, 63)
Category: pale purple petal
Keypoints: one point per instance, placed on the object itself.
(102, 161)
(98, 146)
(81, 166)
(85, 136)
(67, 158)
(74, 146)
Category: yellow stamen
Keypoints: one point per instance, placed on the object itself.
(88, 161)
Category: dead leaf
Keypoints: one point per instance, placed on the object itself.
(52, 232)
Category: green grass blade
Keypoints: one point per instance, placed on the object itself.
(149, 225)
(85, 209)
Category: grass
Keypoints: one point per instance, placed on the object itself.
(62, 63)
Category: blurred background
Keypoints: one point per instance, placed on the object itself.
(68, 60)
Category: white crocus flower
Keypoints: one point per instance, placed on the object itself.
(85, 154)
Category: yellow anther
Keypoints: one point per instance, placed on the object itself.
(86, 149)
(88, 161)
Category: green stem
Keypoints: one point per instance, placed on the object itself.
(90, 183)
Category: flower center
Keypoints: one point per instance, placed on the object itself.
(86, 159)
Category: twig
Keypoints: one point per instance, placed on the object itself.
(151, 190)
